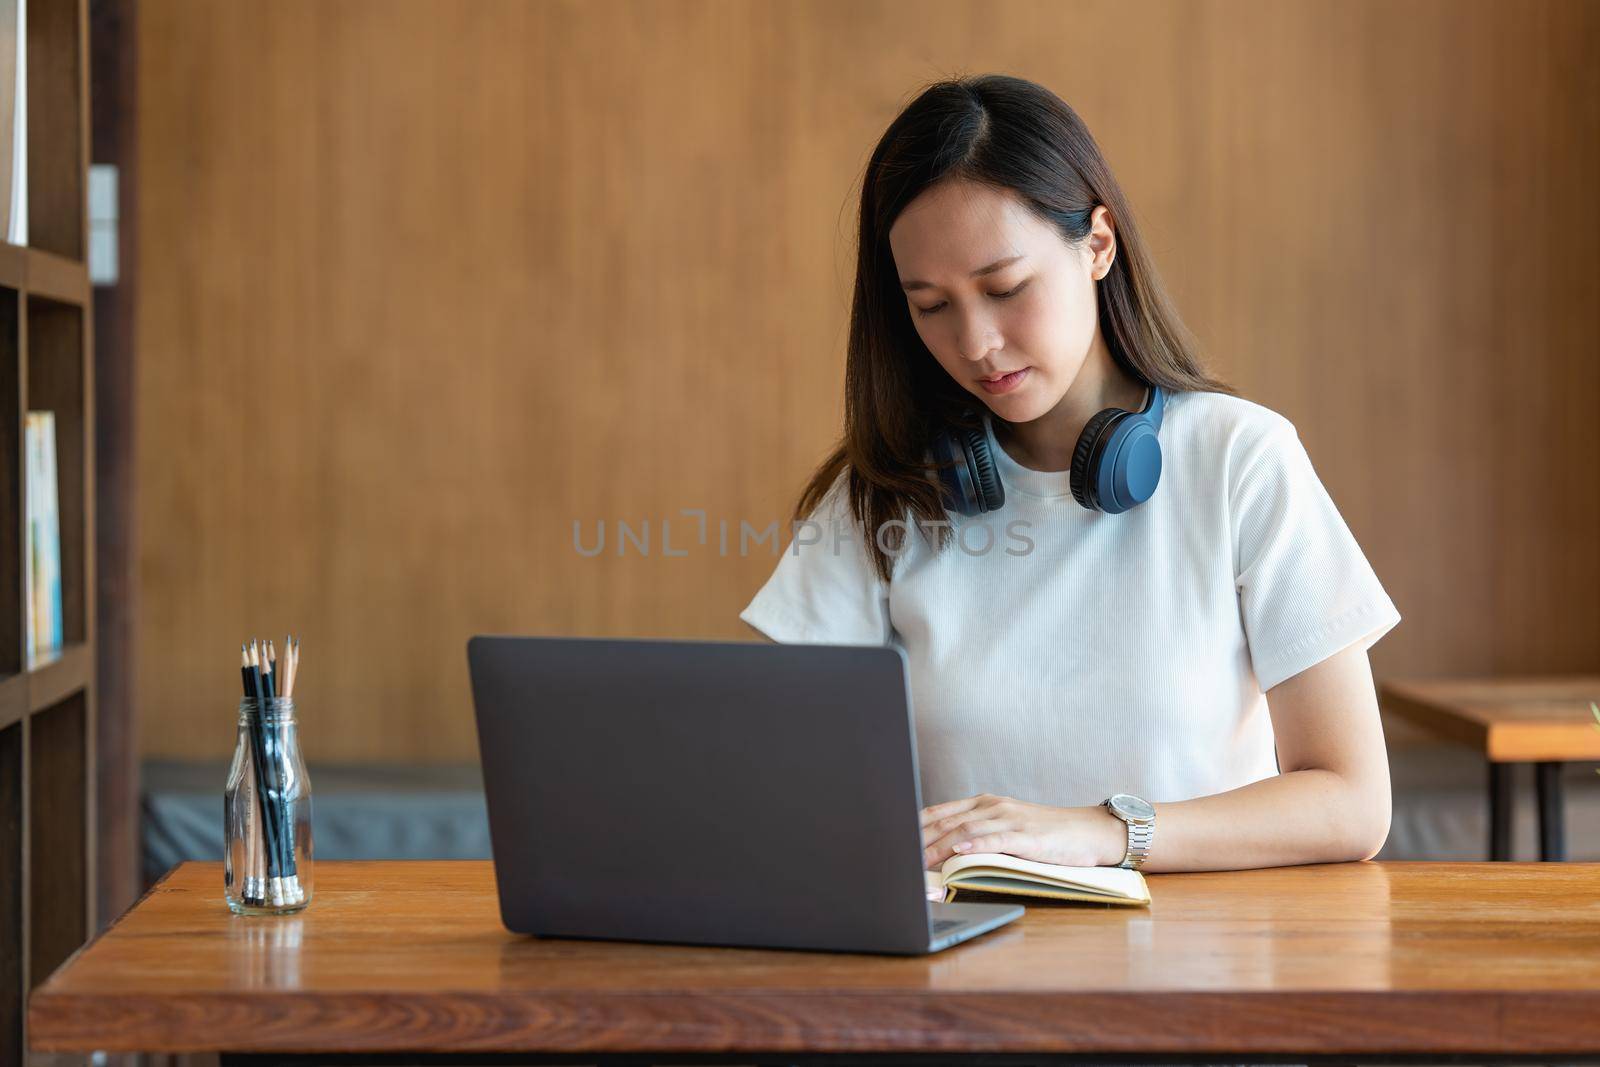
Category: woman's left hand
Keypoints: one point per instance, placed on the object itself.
(1075, 837)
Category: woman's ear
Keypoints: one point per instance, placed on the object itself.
(1102, 242)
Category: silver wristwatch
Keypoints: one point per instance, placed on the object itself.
(1140, 817)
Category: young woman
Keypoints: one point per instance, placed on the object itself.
(1136, 624)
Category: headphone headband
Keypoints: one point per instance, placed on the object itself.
(1155, 403)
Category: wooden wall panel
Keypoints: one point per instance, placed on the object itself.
(422, 283)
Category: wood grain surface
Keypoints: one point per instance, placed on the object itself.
(1510, 720)
(510, 265)
(1394, 958)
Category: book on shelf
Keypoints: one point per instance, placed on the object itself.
(966, 877)
(13, 122)
(43, 540)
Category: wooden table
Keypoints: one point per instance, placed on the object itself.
(1542, 721)
(1359, 960)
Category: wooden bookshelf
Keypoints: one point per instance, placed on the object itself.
(47, 711)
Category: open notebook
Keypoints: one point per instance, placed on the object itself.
(994, 872)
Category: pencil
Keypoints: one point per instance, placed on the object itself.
(254, 859)
(280, 802)
(284, 807)
(269, 688)
(256, 686)
(251, 830)
(289, 659)
(294, 663)
(265, 781)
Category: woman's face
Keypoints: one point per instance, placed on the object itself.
(1035, 312)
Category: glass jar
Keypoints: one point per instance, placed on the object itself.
(266, 813)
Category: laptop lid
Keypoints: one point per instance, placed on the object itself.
(713, 792)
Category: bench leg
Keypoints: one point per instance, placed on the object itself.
(1552, 835)
(1500, 811)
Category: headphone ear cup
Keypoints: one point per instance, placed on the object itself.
(1130, 465)
(984, 474)
(954, 479)
(1082, 478)
(967, 472)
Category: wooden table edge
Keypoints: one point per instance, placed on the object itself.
(1552, 741)
(1554, 1021)
(1310, 1022)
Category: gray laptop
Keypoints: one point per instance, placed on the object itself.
(708, 792)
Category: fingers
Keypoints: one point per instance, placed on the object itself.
(1012, 842)
(983, 806)
(977, 835)
(952, 807)
(949, 807)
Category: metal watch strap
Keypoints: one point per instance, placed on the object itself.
(1139, 837)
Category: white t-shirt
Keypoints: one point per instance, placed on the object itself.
(1085, 654)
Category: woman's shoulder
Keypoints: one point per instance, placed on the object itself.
(1221, 424)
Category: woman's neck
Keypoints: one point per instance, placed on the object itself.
(1047, 443)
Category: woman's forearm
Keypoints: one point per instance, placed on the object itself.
(1304, 816)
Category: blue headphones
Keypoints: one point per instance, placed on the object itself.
(1115, 466)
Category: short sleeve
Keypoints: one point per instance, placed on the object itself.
(824, 589)
(1306, 590)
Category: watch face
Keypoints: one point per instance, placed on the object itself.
(1131, 806)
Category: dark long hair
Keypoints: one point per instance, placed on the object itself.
(1010, 134)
